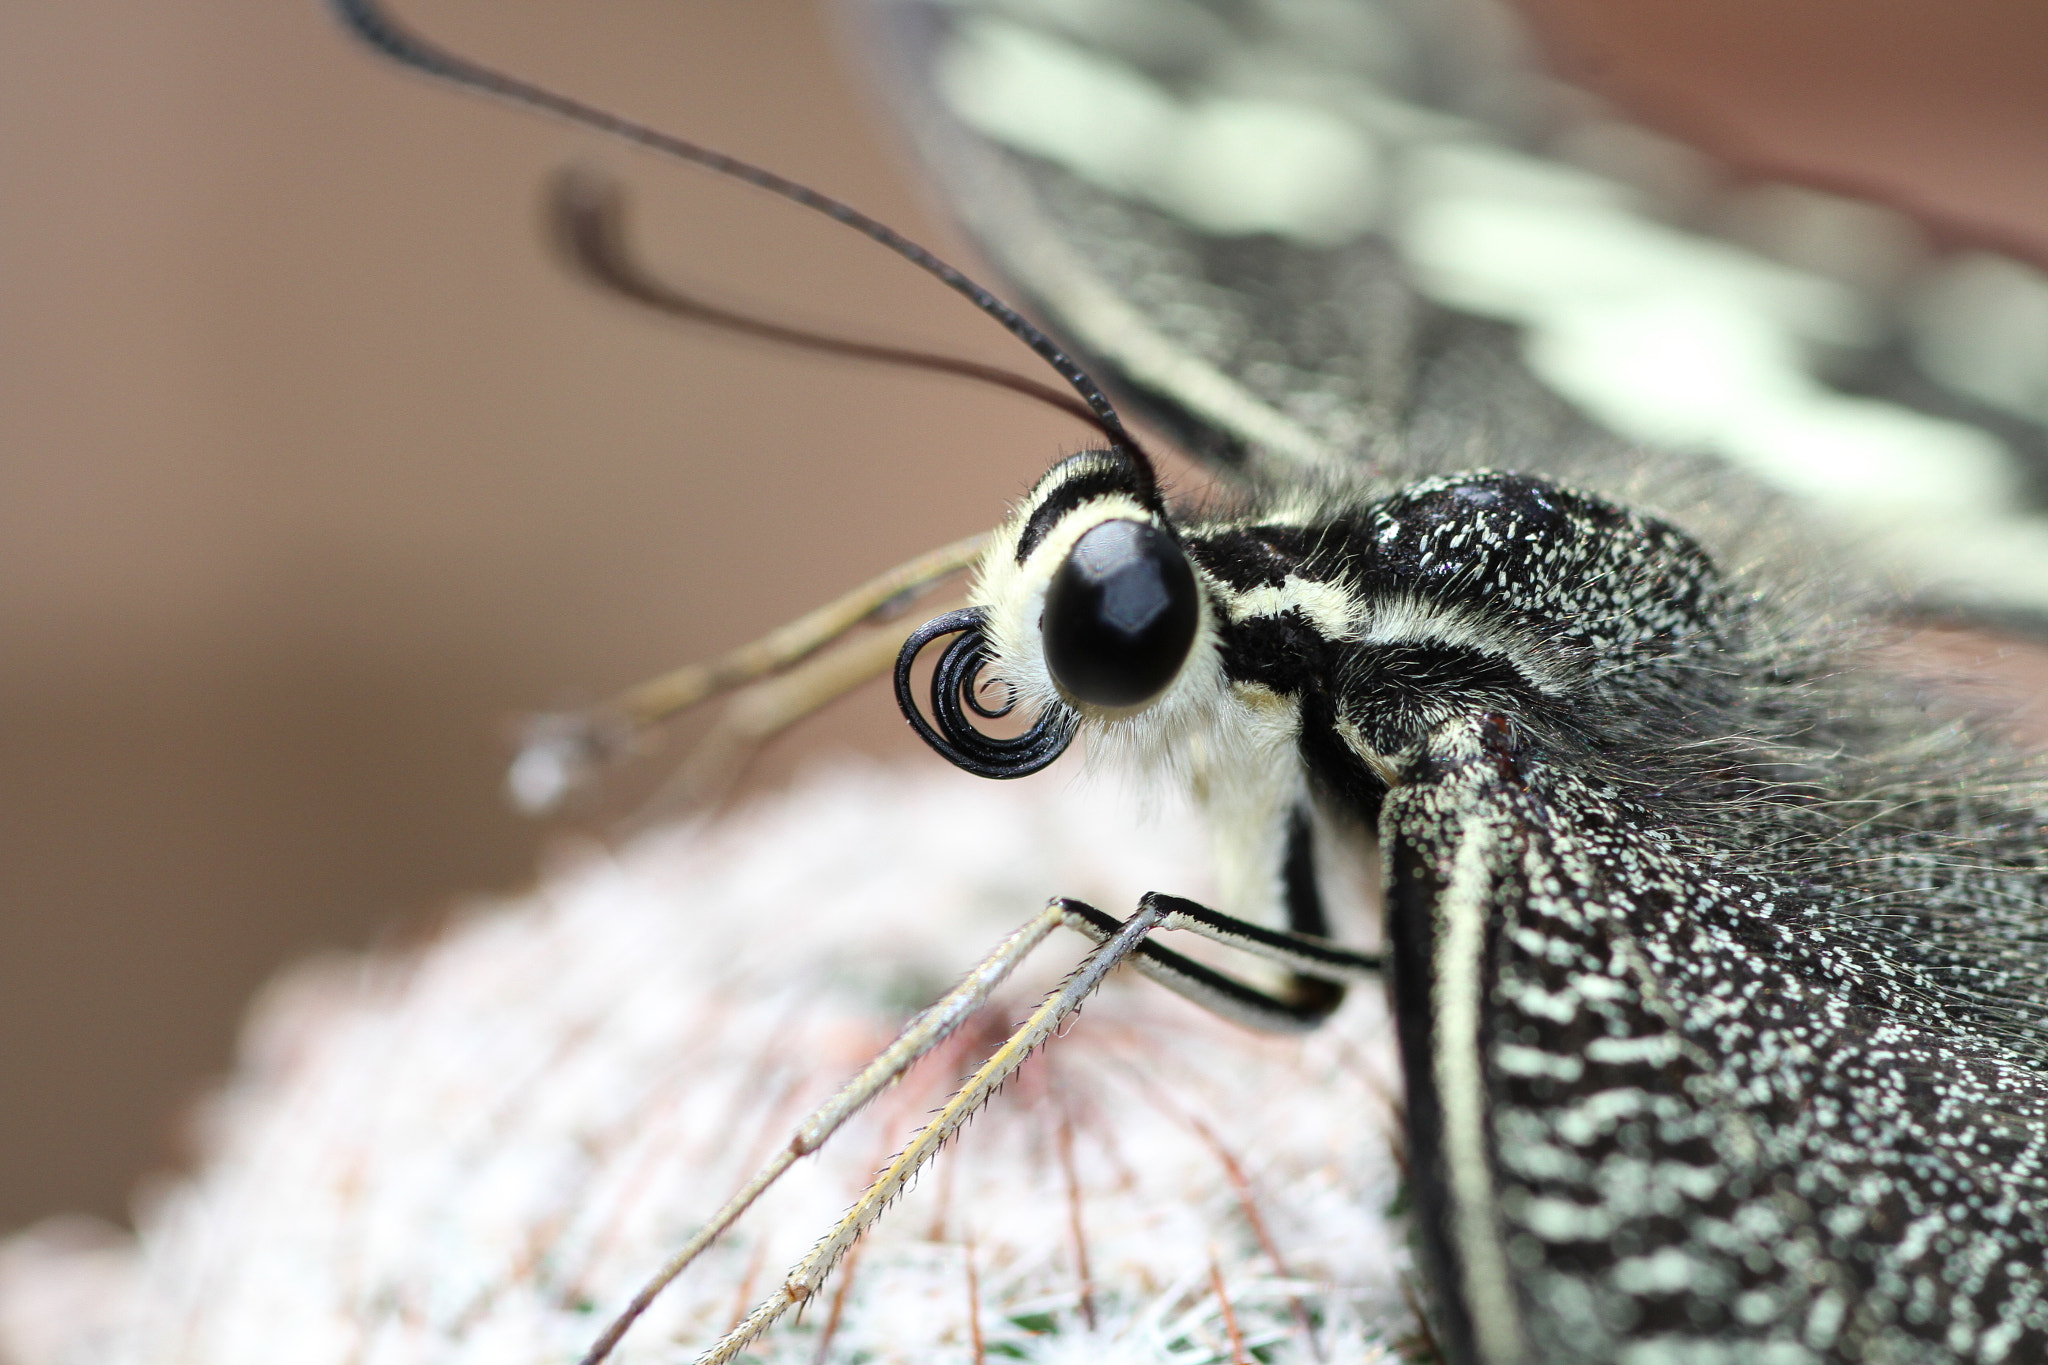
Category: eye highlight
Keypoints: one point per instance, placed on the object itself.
(1120, 615)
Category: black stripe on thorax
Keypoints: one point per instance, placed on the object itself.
(1284, 651)
(1390, 691)
(1244, 557)
(1437, 669)
(1288, 653)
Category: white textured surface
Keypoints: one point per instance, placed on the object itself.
(475, 1152)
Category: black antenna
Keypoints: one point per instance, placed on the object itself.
(587, 216)
(369, 21)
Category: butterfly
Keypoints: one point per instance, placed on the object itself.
(1715, 946)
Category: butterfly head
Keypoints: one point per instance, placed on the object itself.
(1087, 610)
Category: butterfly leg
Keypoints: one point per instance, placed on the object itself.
(807, 1275)
(1306, 1002)
(562, 751)
(1316, 966)
(923, 1033)
(760, 711)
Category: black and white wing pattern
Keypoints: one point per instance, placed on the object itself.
(1372, 231)
(1672, 1108)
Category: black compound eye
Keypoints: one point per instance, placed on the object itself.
(1120, 615)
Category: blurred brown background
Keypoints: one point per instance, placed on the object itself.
(314, 468)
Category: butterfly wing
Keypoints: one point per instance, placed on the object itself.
(1292, 336)
(1662, 1100)
(1376, 236)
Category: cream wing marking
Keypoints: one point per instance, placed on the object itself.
(1458, 1065)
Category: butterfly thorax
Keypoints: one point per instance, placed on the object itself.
(1593, 629)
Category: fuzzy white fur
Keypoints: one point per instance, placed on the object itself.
(476, 1151)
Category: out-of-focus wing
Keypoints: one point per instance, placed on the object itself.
(1371, 234)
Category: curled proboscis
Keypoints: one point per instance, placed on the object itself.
(956, 698)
